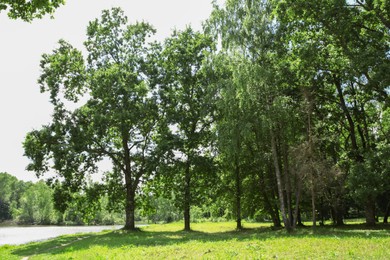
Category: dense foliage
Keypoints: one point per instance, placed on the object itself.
(289, 117)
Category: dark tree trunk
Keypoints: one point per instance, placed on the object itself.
(238, 194)
(274, 213)
(130, 186)
(275, 217)
(297, 201)
(351, 123)
(187, 197)
(299, 219)
(313, 205)
(370, 212)
(338, 212)
(130, 209)
(387, 212)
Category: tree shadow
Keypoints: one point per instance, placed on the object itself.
(123, 238)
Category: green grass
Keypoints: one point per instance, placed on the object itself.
(213, 241)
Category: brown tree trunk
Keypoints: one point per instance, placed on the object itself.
(130, 187)
(130, 209)
(187, 197)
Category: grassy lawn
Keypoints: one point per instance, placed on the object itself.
(213, 241)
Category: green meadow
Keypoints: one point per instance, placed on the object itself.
(213, 241)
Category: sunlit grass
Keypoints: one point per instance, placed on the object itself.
(213, 241)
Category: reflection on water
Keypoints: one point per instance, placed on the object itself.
(21, 235)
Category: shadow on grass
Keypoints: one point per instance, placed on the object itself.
(122, 238)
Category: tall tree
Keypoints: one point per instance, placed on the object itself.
(117, 120)
(188, 107)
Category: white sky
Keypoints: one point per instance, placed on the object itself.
(22, 106)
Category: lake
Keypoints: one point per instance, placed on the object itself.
(20, 235)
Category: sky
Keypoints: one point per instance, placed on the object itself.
(22, 106)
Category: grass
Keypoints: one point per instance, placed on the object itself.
(213, 241)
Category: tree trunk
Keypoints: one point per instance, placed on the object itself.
(130, 209)
(387, 212)
(238, 195)
(370, 212)
(313, 205)
(297, 201)
(130, 187)
(299, 219)
(351, 123)
(270, 209)
(338, 212)
(187, 197)
(287, 182)
(286, 221)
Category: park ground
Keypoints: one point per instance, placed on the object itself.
(214, 241)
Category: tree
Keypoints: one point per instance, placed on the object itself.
(29, 10)
(187, 104)
(117, 120)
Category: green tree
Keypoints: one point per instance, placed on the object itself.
(187, 104)
(29, 10)
(116, 122)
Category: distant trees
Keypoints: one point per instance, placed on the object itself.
(36, 205)
(25, 202)
(12, 191)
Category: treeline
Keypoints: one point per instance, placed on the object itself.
(278, 110)
(31, 203)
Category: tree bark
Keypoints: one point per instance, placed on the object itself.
(130, 190)
(187, 197)
(130, 209)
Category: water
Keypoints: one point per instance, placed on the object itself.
(21, 235)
